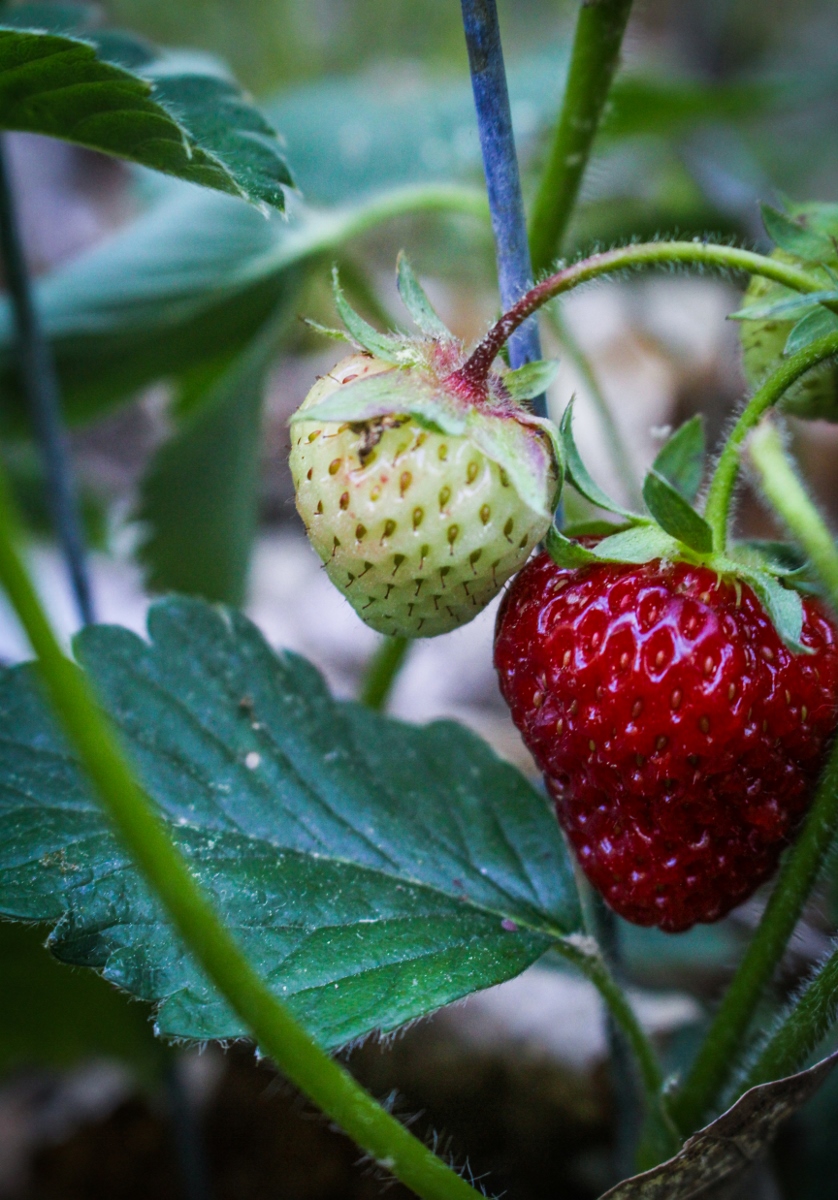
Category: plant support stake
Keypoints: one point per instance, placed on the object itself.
(40, 384)
(503, 181)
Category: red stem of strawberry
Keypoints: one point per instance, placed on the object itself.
(470, 379)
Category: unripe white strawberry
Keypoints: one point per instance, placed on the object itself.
(815, 394)
(418, 528)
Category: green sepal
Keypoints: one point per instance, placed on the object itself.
(566, 553)
(780, 558)
(795, 305)
(681, 459)
(577, 472)
(386, 346)
(808, 329)
(337, 335)
(532, 379)
(675, 515)
(399, 392)
(581, 529)
(642, 543)
(528, 459)
(783, 605)
(794, 238)
(417, 303)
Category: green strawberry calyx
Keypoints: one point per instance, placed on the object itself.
(672, 529)
(422, 383)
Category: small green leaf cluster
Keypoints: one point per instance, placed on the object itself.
(672, 528)
(778, 322)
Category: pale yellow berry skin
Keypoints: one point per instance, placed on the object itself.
(421, 531)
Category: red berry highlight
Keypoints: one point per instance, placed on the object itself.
(680, 739)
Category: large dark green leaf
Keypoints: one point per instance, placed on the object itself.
(199, 498)
(61, 76)
(372, 870)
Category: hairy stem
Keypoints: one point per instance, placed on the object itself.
(194, 916)
(40, 384)
(594, 58)
(786, 494)
(500, 163)
(382, 671)
(720, 492)
(473, 374)
(805, 1022)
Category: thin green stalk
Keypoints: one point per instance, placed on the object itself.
(593, 61)
(723, 1044)
(382, 670)
(585, 955)
(193, 915)
(782, 488)
(617, 448)
(720, 492)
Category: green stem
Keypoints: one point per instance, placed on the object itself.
(585, 955)
(720, 492)
(382, 670)
(195, 918)
(786, 494)
(594, 58)
(473, 374)
(617, 448)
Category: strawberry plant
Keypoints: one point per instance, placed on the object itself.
(193, 813)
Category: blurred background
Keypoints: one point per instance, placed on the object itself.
(174, 316)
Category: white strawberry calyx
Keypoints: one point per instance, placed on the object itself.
(419, 385)
(673, 530)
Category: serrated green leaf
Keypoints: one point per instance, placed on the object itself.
(641, 543)
(371, 870)
(532, 379)
(386, 346)
(681, 459)
(794, 305)
(577, 472)
(112, 92)
(417, 303)
(566, 553)
(783, 605)
(794, 237)
(808, 329)
(675, 515)
(199, 497)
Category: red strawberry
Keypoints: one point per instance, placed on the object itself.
(679, 737)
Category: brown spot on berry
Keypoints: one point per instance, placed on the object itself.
(485, 514)
(444, 497)
(405, 481)
(472, 471)
(343, 503)
(334, 466)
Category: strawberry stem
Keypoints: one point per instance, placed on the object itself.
(720, 493)
(472, 376)
(724, 1041)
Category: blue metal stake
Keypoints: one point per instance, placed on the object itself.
(500, 163)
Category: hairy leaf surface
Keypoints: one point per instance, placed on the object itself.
(371, 870)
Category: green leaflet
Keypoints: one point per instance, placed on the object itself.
(371, 870)
(577, 472)
(387, 346)
(795, 237)
(113, 92)
(416, 301)
(681, 460)
(783, 604)
(808, 329)
(532, 379)
(675, 515)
